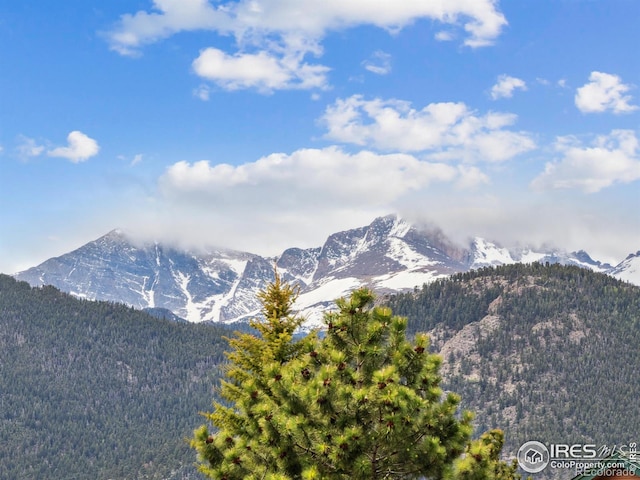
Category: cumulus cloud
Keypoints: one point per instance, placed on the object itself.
(506, 85)
(610, 159)
(80, 148)
(255, 19)
(604, 92)
(308, 177)
(263, 71)
(379, 63)
(444, 131)
(168, 18)
(276, 35)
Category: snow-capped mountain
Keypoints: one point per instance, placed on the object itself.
(629, 269)
(485, 253)
(195, 286)
(389, 255)
(221, 285)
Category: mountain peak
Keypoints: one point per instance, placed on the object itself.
(389, 255)
(115, 235)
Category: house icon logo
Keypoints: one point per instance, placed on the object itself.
(533, 457)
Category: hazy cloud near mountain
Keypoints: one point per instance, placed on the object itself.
(609, 159)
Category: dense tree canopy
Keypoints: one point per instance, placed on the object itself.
(361, 403)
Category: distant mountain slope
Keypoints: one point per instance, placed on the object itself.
(220, 285)
(545, 352)
(97, 390)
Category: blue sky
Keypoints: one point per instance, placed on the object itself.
(264, 124)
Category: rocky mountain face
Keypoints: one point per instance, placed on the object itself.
(220, 285)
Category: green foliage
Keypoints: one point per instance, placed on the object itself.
(95, 390)
(482, 460)
(361, 403)
(564, 346)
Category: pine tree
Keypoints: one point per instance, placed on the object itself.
(361, 403)
(244, 446)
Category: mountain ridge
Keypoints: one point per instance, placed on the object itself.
(220, 285)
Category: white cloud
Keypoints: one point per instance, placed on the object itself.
(610, 159)
(604, 92)
(276, 35)
(202, 92)
(444, 36)
(254, 19)
(470, 177)
(263, 71)
(521, 217)
(445, 131)
(284, 200)
(169, 17)
(80, 148)
(506, 86)
(379, 63)
(310, 177)
(27, 147)
(137, 158)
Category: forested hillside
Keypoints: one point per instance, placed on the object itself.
(95, 390)
(545, 352)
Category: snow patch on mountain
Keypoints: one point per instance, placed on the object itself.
(405, 280)
(629, 269)
(485, 253)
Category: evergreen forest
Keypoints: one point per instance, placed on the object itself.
(544, 352)
(97, 390)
